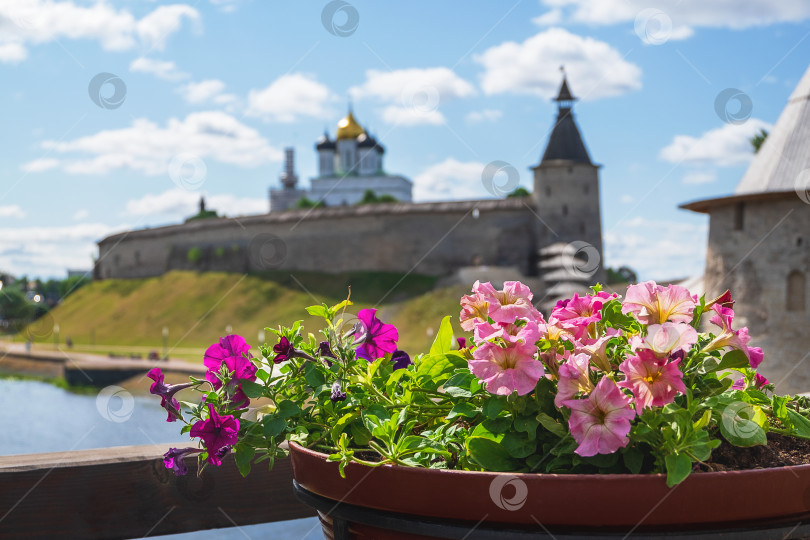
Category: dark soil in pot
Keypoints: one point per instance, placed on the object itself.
(782, 451)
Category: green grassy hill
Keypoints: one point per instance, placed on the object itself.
(129, 315)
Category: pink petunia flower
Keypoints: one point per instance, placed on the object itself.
(529, 333)
(579, 311)
(511, 303)
(654, 381)
(507, 369)
(739, 339)
(601, 422)
(597, 348)
(373, 337)
(654, 304)
(474, 310)
(669, 338)
(574, 378)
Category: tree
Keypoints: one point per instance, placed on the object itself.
(623, 274)
(520, 191)
(369, 197)
(15, 308)
(305, 202)
(758, 139)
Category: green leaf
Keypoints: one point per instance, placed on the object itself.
(313, 375)
(551, 425)
(518, 445)
(251, 389)
(780, 409)
(340, 425)
(465, 409)
(287, 409)
(489, 454)
(498, 425)
(740, 424)
(801, 425)
(733, 359)
(273, 426)
(703, 421)
(337, 307)
(244, 455)
(678, 468)
(444, 338)
(494, 406)
(633, 459)
(435, 369)
(319, 311)
(528, 425)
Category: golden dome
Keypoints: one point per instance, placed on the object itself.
(348, 128)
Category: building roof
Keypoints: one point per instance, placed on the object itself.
(348, 128)
(786, 151)
(565, 142)
(367, 141)
(325, 143)
(705, 205)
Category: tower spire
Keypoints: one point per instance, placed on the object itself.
(564, 99)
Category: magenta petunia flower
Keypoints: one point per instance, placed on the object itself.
(218, 434)
(758, 382)
(173, 459)
(511, 303)
(574, 376)
(507, 370)
(601, 422)
(284, 350)
(654, 381)
(374, 338)
(669, 338)
(654, 304)
(234, 353)
(166, 393)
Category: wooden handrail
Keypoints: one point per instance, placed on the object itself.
(126, 492)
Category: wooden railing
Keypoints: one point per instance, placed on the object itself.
(126, 492)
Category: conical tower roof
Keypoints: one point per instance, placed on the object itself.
(786, 151)
(565, 142)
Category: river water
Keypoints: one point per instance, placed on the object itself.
(39, 417)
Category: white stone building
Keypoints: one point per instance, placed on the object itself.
(348, 166)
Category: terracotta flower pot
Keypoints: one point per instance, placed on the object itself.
(407, 502)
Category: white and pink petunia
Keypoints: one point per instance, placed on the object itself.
(601, 422)
(654, 304)
(507, 369)
(654, 381)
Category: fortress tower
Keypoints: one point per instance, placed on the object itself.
(759, 246)
(566, 194)
(282, 199)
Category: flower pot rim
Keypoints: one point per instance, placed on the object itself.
(573, 476)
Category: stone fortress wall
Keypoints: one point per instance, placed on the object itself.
(428, 238)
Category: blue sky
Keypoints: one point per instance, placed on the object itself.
(215, 89)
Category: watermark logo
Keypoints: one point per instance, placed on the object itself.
(115, 404)
(802, 185)
(733, 106)
(737, 419)
(340, 18)
(422, 98)
(500, 178)
(41, 328)
(266, 252)
(653, 26)
(581, 260)
(508, 492)
(107, 90)
(188, 171)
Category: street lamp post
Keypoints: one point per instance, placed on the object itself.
(165, 342)
(56, 336)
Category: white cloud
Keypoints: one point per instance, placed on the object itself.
(685, 14)
(12, 211)
(407, 116)
(80, 215)
(12, 53)
(484, 115)
(179, 203)
(31, 22)
(549, 18)
(159, 68)
(627, 199)
(699, 177)
(595, 69)
(148, 148)
(725, 146)
(413, 96)
(450, 179)
(658, 250)
(50, 251)
(290, 97)
(209, 90)
(40, 165)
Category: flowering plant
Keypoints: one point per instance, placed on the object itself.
(605, 385)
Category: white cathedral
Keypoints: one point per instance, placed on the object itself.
(348, 167)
